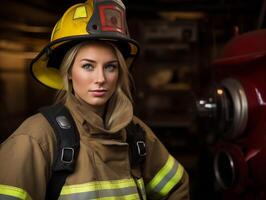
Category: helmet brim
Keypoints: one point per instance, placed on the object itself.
(45, 67)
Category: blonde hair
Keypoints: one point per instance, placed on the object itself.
(124, 78)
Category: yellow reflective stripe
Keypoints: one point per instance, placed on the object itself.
(128, 197)
(80, 12)
(14, 192)
(176, 178)
(98, 196)
(141, 186)
(102, 190)
(161, 174)
(97, 185)
(167, 177)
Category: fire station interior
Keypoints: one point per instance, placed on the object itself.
(179, 41)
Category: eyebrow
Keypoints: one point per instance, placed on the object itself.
(93, 61)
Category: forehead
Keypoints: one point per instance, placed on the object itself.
(97, 50)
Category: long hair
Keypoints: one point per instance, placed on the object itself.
(124, 77)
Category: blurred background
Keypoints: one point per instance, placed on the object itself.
(179, 40)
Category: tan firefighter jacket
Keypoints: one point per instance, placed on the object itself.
(102, 170)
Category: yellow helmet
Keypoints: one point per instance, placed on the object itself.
(92, 20)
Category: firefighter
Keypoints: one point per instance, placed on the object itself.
(87, 60)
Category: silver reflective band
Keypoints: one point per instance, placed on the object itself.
(166, 178)
(63, 122)
(72, 155)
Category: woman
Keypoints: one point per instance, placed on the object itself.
(94, 86)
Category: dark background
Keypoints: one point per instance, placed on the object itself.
(179, 41)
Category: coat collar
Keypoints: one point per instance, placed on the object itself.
(119, 113)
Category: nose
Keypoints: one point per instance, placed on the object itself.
(100, 75)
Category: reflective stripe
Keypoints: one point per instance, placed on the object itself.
(167, 177)
(11, 192)
(141, 186)
(104, 190)
(80, 12)
(4, 197)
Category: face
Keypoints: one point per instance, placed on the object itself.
(94, 74)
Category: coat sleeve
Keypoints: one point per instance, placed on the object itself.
(164, 177)
(24, 166)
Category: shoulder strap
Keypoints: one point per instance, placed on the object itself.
(67, 147)
(136, 141)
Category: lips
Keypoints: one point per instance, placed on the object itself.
(98, 93)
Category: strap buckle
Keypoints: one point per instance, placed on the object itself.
(141, 148)
(67, 155)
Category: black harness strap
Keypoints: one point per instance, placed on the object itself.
(67, 147)
(136, 141)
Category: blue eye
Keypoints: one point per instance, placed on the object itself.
(87, 66)
(111, 67)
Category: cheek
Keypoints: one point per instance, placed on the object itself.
(113, 80)
(79, 80)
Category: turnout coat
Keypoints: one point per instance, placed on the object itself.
(103, 169)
